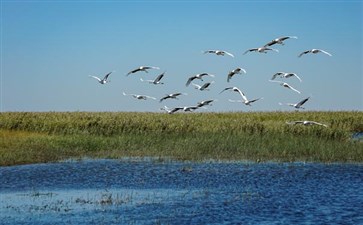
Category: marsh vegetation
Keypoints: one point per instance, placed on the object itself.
(31, 137)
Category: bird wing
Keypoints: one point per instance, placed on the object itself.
(270, 43)
(230, 54)
(230, 75)
(151, 67)
(250, 50)
(294, 122)
(289, 86)
(95, 77)
(209, 51)
(244, 97)
(173, 110)
(208, 74)
(255, 100)
(299, 104)
(294, 74)
(303, 53)
(197, 86)
(274, 76)
(158, 78)
(204, 86)
(133, 71)
(163, 98)
(243, 70)
(106, 76)
(325, 52)
(150, 97)
(146, 80)
(228, 88)
(321, 124)
(189, 80)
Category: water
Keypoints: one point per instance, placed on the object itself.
(154, 192)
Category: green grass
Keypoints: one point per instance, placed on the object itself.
(27, 137)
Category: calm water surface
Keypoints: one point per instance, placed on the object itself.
(154, 192)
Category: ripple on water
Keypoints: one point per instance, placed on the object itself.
(168, 192)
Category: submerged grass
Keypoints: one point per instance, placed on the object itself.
(28, 137)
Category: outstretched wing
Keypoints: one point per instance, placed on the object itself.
(302, 102)
(325, 52)
(106, 76)
(158, 78)
(209, 51)
(189, 80)
(250, 50)
(95, 78)
(227, 88)
(270, 43)
(289, 86)
(303, 53)
(230, 54)
(133, 71)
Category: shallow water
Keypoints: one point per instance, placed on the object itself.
(154, 192)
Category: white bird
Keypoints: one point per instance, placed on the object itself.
(285, 75)
(156, 80)
(279, 40)
(261, 50)
(238, 70)
(172, 95)
(244, 98)
(205, 102)
(104, 80)
(140, 97)
(219, 52)
(299, 104)
(286, 85)
(306, 123)
(315, 51)
(142, 68)
(198, 76)
(171, 111)
(203, 87)
(189, 108)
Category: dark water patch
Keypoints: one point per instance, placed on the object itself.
(156, 192)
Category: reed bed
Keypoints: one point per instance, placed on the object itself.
(30, 137)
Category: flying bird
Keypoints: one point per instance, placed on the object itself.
(219, 52)
(140, 97)
(203, 87)
(156, 80)
(205, 102)
(315, 51)
(198, 76)
(172, 95)
(279, 40)
(104, 80)
(299, 104)
(238, 70)
(285, 75)
(244, 98)
(286, 85)
(171, 111)
(142, 68)
(306, 123)
(260, 50)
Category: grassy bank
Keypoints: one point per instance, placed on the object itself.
(259, 136)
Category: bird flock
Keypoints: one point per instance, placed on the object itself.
(242, 97)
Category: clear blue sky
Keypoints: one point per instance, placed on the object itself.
(49, 49)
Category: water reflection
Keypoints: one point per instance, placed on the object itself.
(149, 192)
